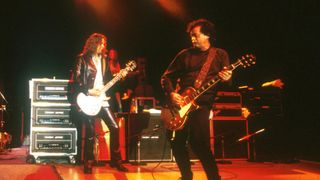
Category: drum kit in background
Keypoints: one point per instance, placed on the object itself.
(5, 138)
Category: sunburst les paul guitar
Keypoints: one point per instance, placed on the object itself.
(175, 117)
(91, 105)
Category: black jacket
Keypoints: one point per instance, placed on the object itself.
(84, 74)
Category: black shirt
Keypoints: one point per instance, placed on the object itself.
(185, 67)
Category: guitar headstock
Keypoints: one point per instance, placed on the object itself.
(247, 60)
(131, 65)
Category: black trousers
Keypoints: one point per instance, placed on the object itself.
(108, 117)
(197, 133)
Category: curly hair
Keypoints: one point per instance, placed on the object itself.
(207, 28)
(92, 43)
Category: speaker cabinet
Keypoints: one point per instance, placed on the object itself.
(226, 134)
(147, 142)
(266, 109)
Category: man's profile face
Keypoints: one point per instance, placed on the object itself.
(198, 39)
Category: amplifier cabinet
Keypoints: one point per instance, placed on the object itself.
(149, 142)
(228, 97)
(225, 136)
(54, 141)
(227, 106)
(51, 116)
(227, 125)
(48, 90)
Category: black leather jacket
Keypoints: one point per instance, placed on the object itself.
(84, 73)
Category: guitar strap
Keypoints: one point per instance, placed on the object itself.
(205, 68)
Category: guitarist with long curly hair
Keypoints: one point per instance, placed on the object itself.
(89, 77)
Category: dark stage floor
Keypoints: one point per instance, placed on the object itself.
(13, 166)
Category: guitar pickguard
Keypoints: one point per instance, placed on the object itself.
(174, 119)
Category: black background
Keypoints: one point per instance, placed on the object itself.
(42, 38)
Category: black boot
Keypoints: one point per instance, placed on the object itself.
(118, 166)
(188, 176)
(87, 168)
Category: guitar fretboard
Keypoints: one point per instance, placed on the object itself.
(112, 82)
(123, 72)
(193, 96)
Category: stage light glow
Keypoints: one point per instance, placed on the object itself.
(109, 13)
(100, 7)
(174, 7)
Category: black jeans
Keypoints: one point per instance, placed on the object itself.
(197, 133)
(108, 117)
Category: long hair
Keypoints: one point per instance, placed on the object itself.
(92, 43)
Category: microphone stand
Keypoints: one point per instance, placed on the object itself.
(223, 161)
(3, 97)
(248, 137)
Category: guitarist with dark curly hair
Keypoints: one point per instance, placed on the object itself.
(190, 69)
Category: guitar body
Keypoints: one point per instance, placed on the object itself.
(90, 105)
(175, 118)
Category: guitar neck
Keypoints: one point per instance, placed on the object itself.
(196, 94)
(111, 83)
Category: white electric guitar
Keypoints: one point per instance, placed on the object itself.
(91, 105)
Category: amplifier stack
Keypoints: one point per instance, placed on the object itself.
(227, 125)
(52, 133)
